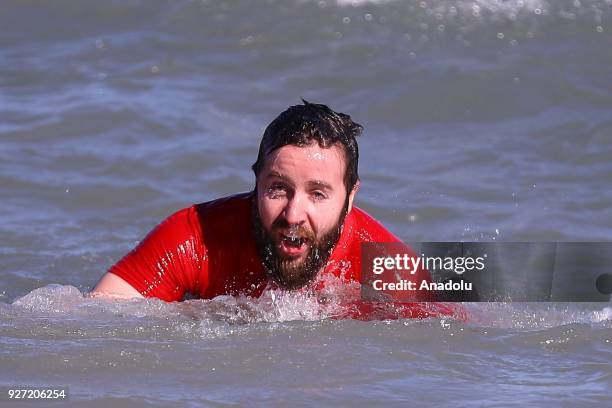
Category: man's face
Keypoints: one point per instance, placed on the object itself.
(301, 204)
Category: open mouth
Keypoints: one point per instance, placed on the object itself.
(292, 244)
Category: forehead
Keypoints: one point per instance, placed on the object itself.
(307, 163)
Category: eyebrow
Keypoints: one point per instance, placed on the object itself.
(311, 183)
(320, 184)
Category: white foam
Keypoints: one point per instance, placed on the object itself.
(51, 299)
(536, 315)
(212, 317)
(602, 315)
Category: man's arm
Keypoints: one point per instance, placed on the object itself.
(165, 265)
(113, 286)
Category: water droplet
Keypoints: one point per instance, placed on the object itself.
(500, 36)
(346, 20)
(368, 17)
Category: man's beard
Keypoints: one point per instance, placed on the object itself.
(290, 273)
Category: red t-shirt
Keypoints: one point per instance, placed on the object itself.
(209, 249)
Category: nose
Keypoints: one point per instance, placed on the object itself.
(295, 211)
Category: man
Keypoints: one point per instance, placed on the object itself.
(297, 226)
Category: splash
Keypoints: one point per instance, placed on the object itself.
(50, 299)
(537, 315)
(337, 300)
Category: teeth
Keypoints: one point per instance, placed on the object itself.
(293, 233)
(293, 240)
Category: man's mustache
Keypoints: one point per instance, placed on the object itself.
(294, 229)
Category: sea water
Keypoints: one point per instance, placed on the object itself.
(484, 120)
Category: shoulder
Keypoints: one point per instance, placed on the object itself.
(178, 225)
(368, 228)
(220, 213)
(226, 218)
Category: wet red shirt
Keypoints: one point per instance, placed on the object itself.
(209, 250)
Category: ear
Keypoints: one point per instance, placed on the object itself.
(352, 196)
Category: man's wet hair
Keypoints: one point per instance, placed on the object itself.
(300, 125)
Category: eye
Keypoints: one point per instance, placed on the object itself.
(276, 190)
(319, 195)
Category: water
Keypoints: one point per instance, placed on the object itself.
(229, 351)
(484, 120)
